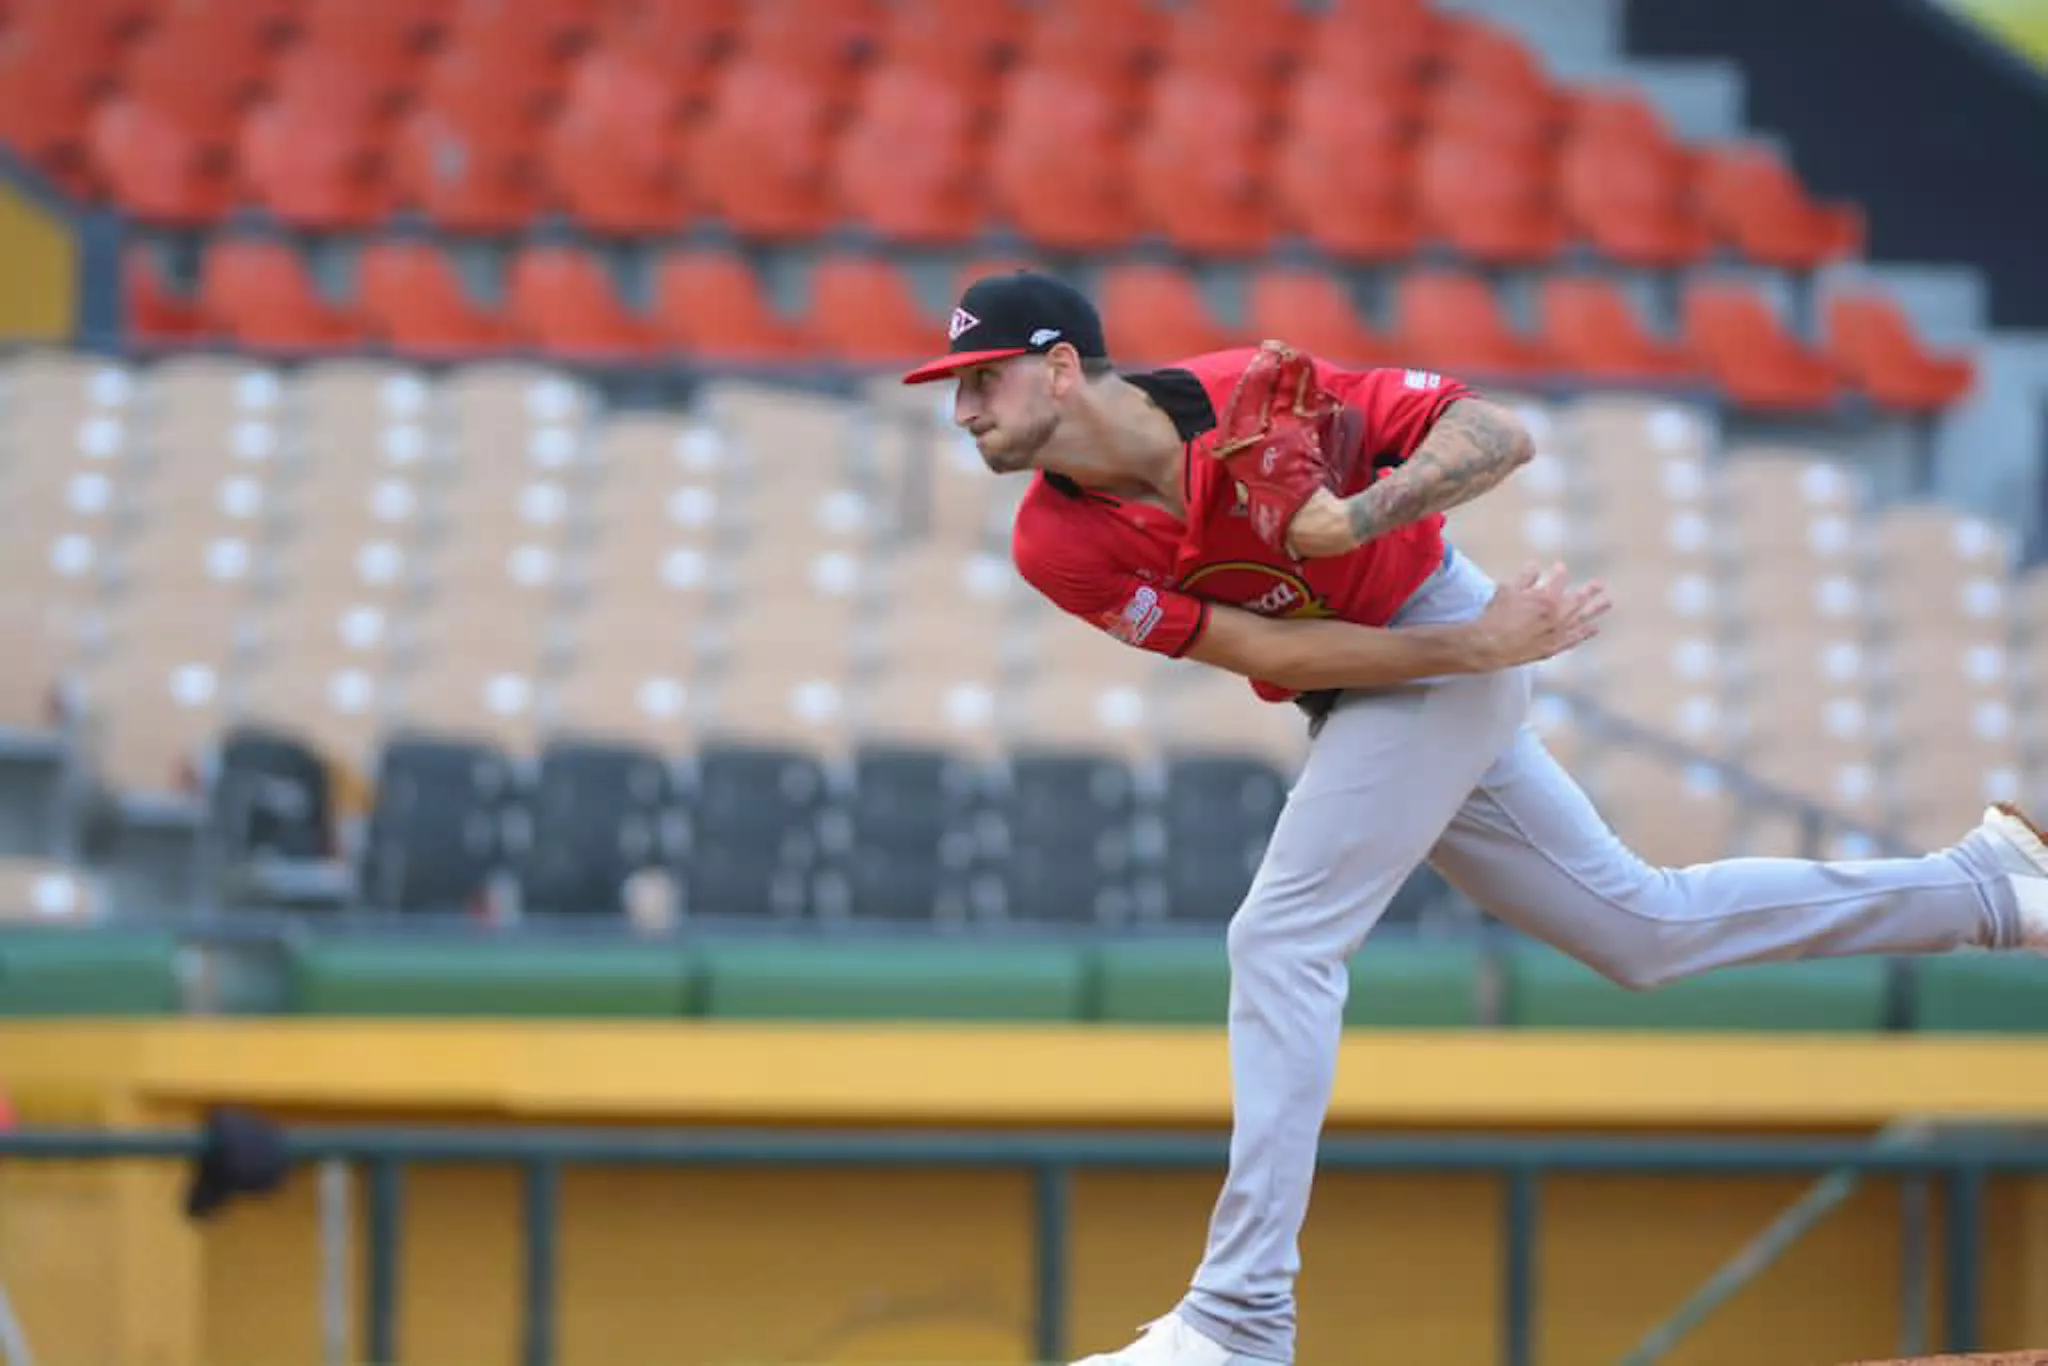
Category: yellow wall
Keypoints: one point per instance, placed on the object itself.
(38, 271)
(689, 1267)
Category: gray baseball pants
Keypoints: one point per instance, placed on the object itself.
(1448, 772)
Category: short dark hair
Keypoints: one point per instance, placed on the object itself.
(1095, 367)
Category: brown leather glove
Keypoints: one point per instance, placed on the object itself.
(1270, 438)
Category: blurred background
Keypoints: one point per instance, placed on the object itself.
(473, 559)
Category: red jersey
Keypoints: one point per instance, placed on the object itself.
(1147, 578)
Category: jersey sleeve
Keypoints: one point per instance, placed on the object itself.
(1111, 599)
(1398, 407)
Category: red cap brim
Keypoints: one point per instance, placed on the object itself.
(959, 360)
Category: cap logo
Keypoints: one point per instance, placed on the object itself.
(1044, 336)
(962, 321)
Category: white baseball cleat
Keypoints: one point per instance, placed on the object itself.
(1171, 1342)
(2023, 853)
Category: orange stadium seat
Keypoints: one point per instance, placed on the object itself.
(1873, 346)
(1492, 201)
(1252, 42)
(495, 79)
(959, 43)
(1154, 313)
(613, 157)
(1111, 44)
(199, 67)
(1588, 321)
(1754, 203)
(1490, 84)
(758, 157)
(413, 303)
(864, 312)
(1330, 100)
(521, 31)
(260, 295)
(824, 40)
(1058, 161)
(683, 39)
(562, 300)
(693, 32)
(159, 168)
(56, 58)
(1389, 42)
(389, 36)
(1349, 191)
(89, 30)
(1197, 164)
(708, 302)
(157, 314)
(904, 168)
(1450, 321)
(1626, 185)
(313, 154)
(1309, 309)
(465, 171)
(1750, 353)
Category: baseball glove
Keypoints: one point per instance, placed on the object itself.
(1270, 438)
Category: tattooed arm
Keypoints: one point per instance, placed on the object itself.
(1472, 446)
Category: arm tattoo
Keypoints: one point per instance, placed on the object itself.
(1472, 447)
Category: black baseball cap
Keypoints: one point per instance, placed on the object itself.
(1017, 314)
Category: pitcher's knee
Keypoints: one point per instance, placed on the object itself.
(1270, 949)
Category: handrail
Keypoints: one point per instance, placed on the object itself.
(1963, 1161)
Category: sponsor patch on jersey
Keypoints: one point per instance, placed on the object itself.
(1423, 379)
(1134, 624)
(1257, 588)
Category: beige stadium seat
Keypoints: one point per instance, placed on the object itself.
(1820, 746)
(150, 714)
(946, 493)
(929, 668)
(494, 697)
(1671, 683)
(337, 630)
(64, 386)
(1943, 775)
(796, 696)
(45, 649)
(332, 405)
(1671, 815)
(1785, 502)
(56, 562)
(781, 436)
(1198, 708)
(969, 592)
(935, 702)
(212, 407)
(511, 405)
(1630, 426)
(44, 891)
(337, 463)
(335, 701)
(1084, 711)
(641, 699)
(1937, 577)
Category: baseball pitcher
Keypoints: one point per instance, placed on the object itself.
(1262, 511)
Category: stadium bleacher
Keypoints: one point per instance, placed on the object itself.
(359, 557)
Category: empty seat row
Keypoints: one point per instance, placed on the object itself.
(1401, 128)
(859, 309)
(751, 831)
